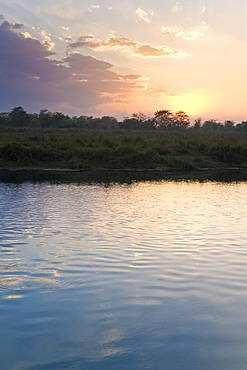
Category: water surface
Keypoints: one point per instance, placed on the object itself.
(145, 275)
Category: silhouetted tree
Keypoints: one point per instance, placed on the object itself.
(130, 123)
(18, 117)
(197, 123)
(164, 118)
(45, 118)
(181, 119)
(229, 125)
(58, 119)
(212, 124)
(34, 120)
(108, 122)
(241, 126)
(49, 119)
(83, 121)
(3, 119)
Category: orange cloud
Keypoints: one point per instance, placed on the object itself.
(124, 44)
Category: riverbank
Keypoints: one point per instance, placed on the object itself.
(184, 150)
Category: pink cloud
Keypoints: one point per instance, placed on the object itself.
(31, 78)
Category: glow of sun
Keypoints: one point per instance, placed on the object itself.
(191, 103)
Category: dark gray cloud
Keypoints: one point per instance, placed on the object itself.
(31, 78)
(10, 26)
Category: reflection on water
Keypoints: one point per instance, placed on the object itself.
(146, 275)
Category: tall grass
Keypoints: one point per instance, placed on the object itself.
(83, 150)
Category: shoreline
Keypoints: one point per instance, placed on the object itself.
(139, 170)
(108, 177)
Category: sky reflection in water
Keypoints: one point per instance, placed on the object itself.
(150, 275)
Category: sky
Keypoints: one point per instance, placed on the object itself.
(111, 57)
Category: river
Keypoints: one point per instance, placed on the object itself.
(123, 275)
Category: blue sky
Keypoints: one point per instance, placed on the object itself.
(114, 58)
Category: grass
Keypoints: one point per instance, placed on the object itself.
(185, 150)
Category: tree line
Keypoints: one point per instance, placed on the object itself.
(162, 120)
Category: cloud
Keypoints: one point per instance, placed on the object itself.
(27, 35)
(200, 32)
(87, 69)
(142, 15)
(31, 78)
(10, 26)
(124, 44)
(93, 7)
(47, 40)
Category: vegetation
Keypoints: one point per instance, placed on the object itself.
(162, 120)
(166, 141)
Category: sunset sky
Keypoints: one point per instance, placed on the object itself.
(111, 57)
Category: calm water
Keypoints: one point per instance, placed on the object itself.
(146, 275)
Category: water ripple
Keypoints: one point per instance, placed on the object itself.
(140, 275)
